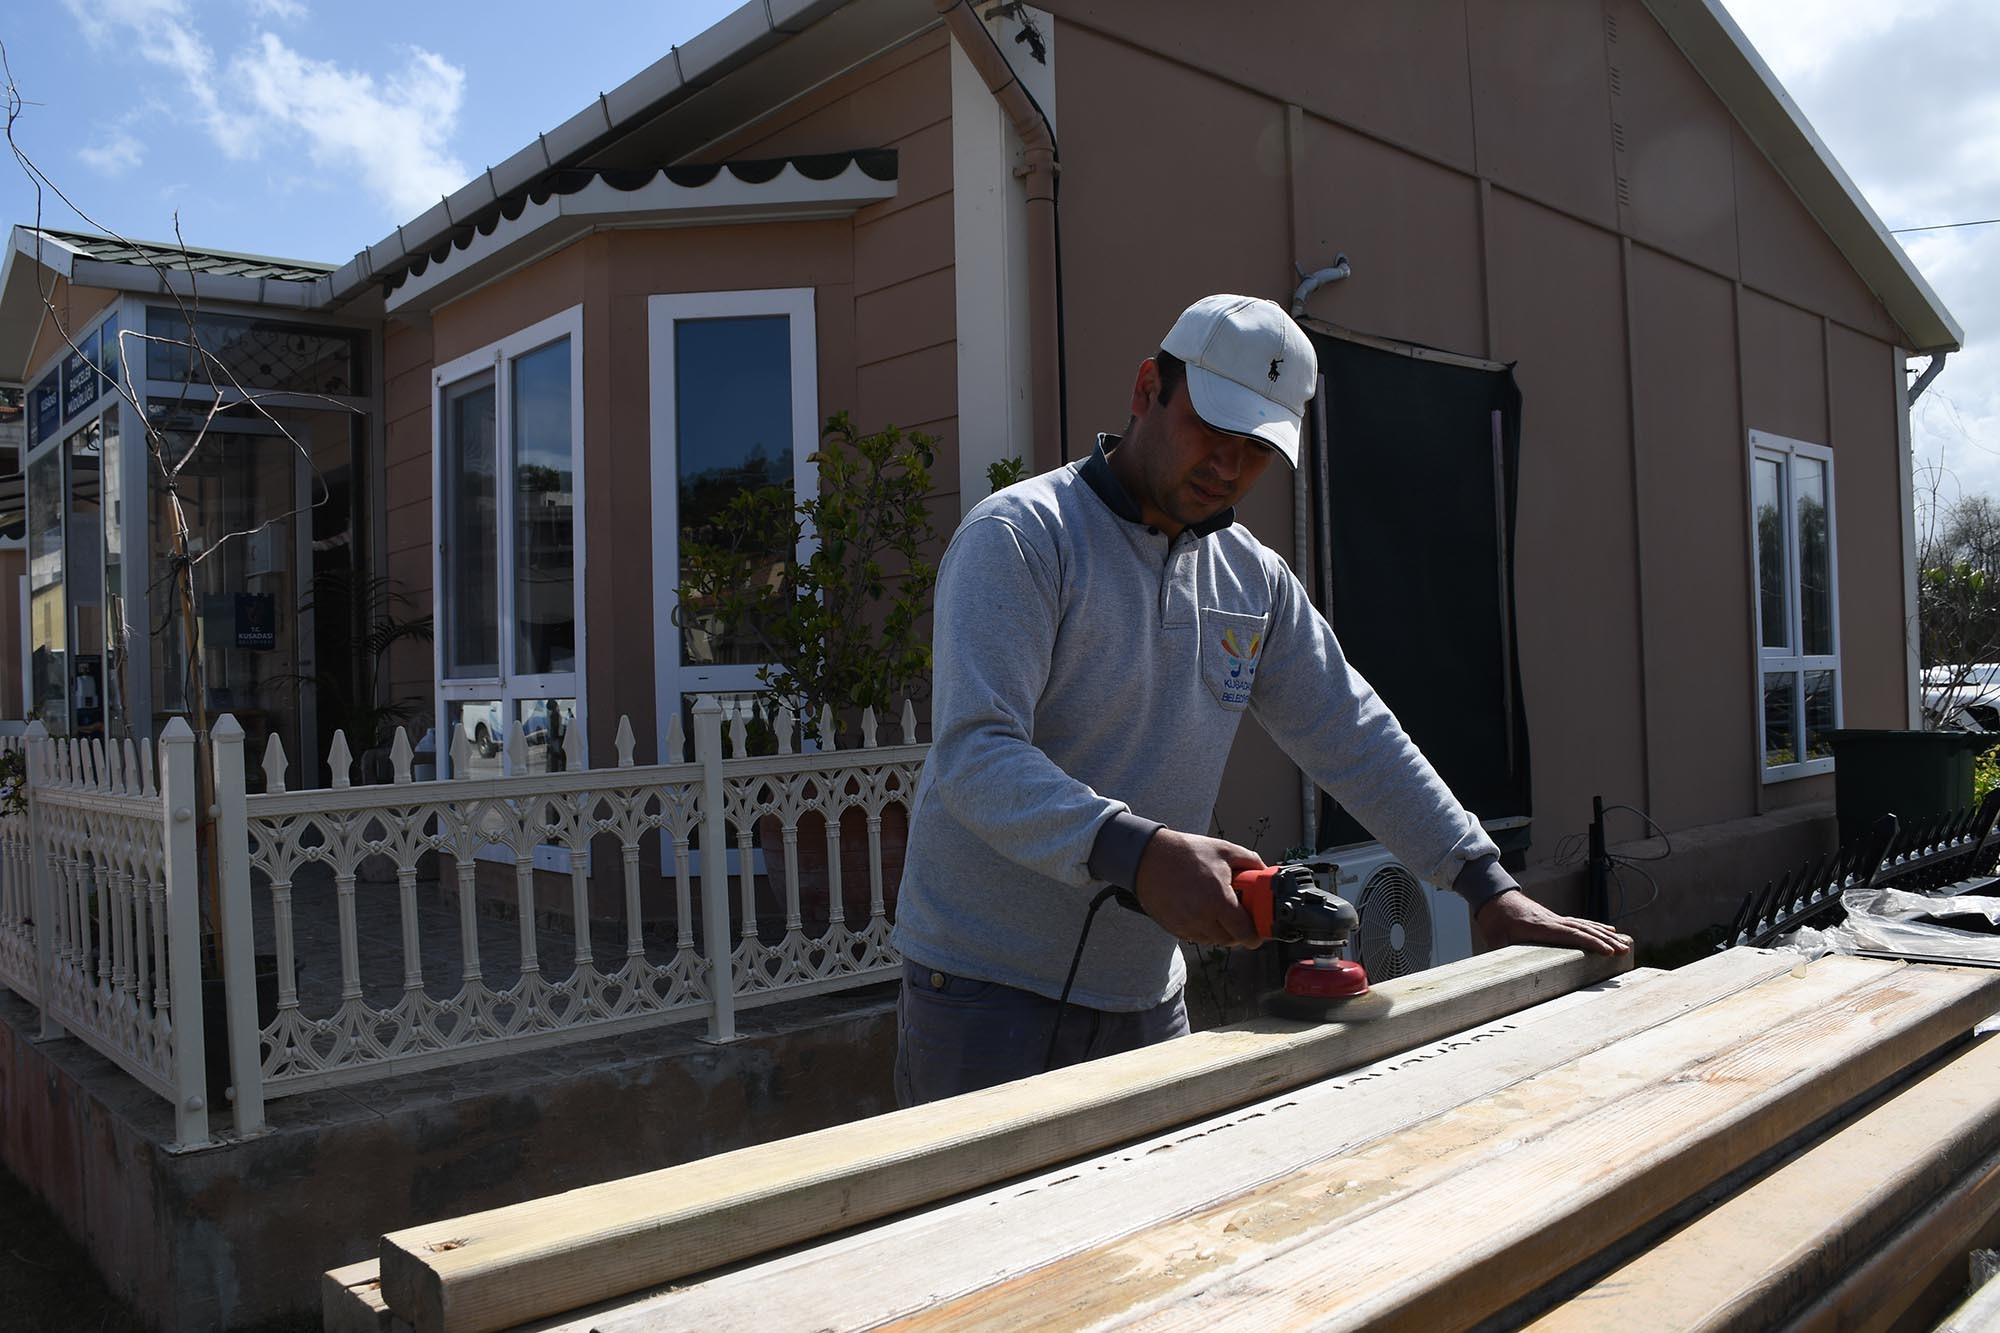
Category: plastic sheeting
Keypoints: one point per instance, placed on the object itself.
(1959, 927)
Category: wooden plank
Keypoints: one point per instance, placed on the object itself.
(1979, 1313)
(491, 1270)
(1915, 1274)
(1453, 1220)
(350, 1301)
(1770, 1248)
(1513, 1222)
(990, 1237)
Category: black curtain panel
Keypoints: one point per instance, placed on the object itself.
(1416, 513)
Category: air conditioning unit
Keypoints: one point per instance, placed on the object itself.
(1407, 925)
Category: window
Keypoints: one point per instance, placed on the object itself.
(735, 408)
(508, 451)
(1798, 621)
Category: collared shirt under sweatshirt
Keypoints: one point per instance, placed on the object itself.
(1090, 676)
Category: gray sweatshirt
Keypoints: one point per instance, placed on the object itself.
(1090, 676)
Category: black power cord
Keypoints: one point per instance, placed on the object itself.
(1125, 898)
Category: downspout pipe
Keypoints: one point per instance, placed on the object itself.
(1924, 380)
(1040, 169)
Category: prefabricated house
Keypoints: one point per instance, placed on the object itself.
(1608, 492)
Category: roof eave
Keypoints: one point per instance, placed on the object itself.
(1710, 39)
(732, 42)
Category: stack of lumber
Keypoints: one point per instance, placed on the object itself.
(1745, 1142)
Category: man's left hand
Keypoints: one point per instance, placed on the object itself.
(1515, 918)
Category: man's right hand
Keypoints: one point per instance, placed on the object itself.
(1184, 885)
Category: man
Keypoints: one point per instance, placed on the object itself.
(1101, 630)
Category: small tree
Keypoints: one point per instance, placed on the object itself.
(840, 626)
(174, 442)
(1958, 599)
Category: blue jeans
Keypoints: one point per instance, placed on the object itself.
(954, 1034)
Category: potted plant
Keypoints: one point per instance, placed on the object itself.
(831, 591)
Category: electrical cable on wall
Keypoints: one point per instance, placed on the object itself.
(1577, 849)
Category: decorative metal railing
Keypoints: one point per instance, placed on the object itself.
(1926, 854)
(368, 931)
(17, 909)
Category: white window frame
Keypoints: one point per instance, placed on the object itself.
(1783, 450)
(506, 686)
(675, 679)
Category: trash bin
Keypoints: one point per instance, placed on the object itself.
(1909, 774)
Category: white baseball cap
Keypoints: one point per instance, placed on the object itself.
(1250, 368)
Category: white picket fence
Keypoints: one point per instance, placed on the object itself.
(375, 894)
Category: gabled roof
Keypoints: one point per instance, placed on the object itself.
(1723, 56)
(152, 255)
(148, 267)
(787, 43)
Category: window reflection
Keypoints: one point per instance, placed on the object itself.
(1773, 615)
(1815, 557)
(733, 439)
(544, 513)
(471, 532)
(48, 612)
(1781, 741)
(485, 734)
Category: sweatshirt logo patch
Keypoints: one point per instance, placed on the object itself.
(1242, 657)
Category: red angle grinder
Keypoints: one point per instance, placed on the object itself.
(1286, 903)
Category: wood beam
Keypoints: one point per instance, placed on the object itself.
(492, 1270)
(1449, 1223)
(1753, 1259)
(866, 1279)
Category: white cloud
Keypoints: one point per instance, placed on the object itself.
(1905, 96)
(391, 135)
(115, 155)
(162, 32)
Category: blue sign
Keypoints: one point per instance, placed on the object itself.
(79, 378)
(44, 410)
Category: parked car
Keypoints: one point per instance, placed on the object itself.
(1962, 697)
(485, 727)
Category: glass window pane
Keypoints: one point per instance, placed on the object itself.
(733, 439)
(13, 444)
(544, 513)
(545, 725)
(484, 733)
(48, 613)
(111, 355)
(1815, 557)
(83, 566)
(1819, 714)
(117, 633)
(203, 348)
(471, 592)
(1781, 715)
(1774, 614)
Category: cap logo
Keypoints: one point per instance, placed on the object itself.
(1276, 361)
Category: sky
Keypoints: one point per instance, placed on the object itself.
(309, 129)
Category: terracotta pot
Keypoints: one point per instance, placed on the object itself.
(815, 882)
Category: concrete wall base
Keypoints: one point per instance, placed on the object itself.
(1705, 879)
(235, 1234)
